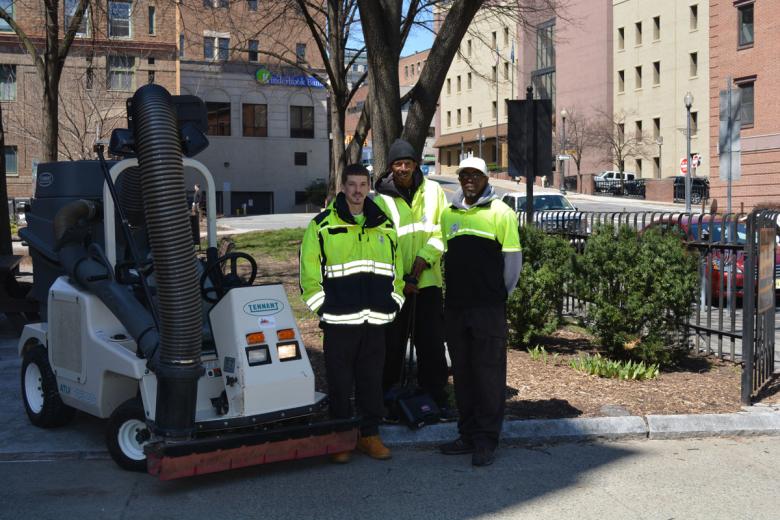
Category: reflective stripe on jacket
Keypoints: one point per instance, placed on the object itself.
(419, 232)
(349, 273)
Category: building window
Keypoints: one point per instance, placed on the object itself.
(656, 127)
(747, 113)
(657, 167)
(449, 86)
(495, 110)
(218, 118)
(694, 64)
(458, 117)
(120, 73)
(449, 158)
(494, 40)
(152, 21)
(694, 17)
(638, 131)
(506, 36)
(468, 115)
(301, 159)
(468, 81)
(252, 53)
(745, 24)
(406, 71)
(656, 73)
(621, 43)
(224, 3)
(8, 7)
(11, 162)
(69, 10)
(120, 19)
(468, 48)
(621, 132)
(656, 28)
(7, 82)
(181, 45)
(694, 124)
(224, 48)
(494, 75)
(449, 119)
(506, 70)
(255, 120)
(89, 79)
(621, 81)
(208, 47)
(638, 76)
(150, 76)
(252, 5)
(639, 168)
(302, 122)
(638, 33)
(300, 52)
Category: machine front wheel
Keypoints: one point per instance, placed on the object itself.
(42, 400)
(127, 434)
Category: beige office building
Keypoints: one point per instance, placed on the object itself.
(470, 105)
(661, 51)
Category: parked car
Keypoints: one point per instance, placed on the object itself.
(713, 230)
(613, 175)
(700, 189)
(618, 183)
(552, 212)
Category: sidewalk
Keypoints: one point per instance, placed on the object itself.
(84, 437)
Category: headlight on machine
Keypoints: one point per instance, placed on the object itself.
(259, 355)
(288, 351)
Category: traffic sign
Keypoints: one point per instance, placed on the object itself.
(696, 160)
(684, 165)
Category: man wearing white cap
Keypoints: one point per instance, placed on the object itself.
(481, 268)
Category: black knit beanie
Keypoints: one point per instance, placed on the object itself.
(400, 149)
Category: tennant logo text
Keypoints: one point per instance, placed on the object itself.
(263, 307)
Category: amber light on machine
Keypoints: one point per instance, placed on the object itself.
(285, 334)
(255, 338)
(288, 351)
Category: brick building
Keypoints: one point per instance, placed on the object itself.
(116, 50)
(744, 49)
(268, 123)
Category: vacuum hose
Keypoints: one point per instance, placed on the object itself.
(158, 145)
(70, 231)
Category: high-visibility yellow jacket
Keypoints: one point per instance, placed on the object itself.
(417, 225)
(349, 274)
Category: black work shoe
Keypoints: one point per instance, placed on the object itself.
(459, 446)
(447, 414)
(483, 457)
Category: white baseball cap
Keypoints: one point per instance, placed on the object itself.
(474, 163)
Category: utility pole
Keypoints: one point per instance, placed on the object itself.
(498, 61)
(564, 114)
(688, 100)
(480, 140)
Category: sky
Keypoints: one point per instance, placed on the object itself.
(418, 40)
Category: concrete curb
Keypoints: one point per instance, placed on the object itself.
(550, 431)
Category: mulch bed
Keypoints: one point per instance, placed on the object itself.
(536, 389)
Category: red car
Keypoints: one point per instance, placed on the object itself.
(702, 230)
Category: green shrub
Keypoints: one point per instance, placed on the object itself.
(640, 289)
(602, 367)
(536, 304)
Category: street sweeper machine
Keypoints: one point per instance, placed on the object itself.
(196, 368)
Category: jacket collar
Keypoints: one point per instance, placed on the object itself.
(374, 215)
(488, 195)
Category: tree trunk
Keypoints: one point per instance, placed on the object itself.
(381, 20)
(337, 145)
(6, 248)
(51, 117)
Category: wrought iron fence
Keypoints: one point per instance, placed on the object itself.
(625, 188)
(717, 318)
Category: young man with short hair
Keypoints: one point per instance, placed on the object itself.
(350, 277)
(482, 265)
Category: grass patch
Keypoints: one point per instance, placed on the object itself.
(280, 244)
(603, 367)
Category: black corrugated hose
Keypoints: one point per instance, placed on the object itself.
(158, 146)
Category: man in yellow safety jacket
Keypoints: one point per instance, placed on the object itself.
(414, 204)
(482, 263)
(350, 277)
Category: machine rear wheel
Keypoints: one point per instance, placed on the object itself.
(127, 434)
(39, 391)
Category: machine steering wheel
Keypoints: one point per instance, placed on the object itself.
(222, 283)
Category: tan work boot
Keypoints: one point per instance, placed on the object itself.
(341, 457)
(373, 447)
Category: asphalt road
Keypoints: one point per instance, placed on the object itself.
(692, 479)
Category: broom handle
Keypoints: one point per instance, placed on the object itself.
(406, 370)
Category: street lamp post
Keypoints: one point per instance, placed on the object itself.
(564, 114)
(660, 142)
(688, 100)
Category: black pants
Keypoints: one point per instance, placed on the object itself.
(476, 339)
(353, 358)
(432, 373)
